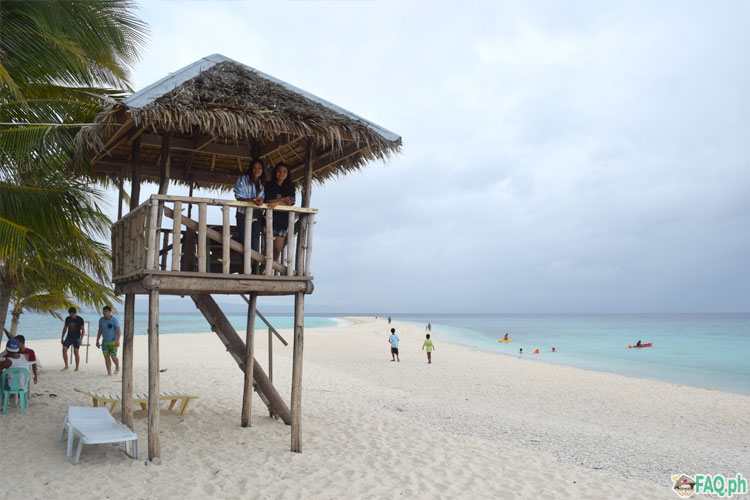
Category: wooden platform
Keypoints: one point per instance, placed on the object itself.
(192, 283)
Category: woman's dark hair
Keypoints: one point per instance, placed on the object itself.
(260, 181)
(288, 181)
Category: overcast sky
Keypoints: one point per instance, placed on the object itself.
(558, 156)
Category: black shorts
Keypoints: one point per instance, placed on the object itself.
(75, 343)
(394, 350)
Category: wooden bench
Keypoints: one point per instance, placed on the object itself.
(113, 400)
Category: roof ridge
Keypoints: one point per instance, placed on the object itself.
(150, 93)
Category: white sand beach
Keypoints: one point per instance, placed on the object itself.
(470, 425)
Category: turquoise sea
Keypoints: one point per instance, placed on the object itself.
(701, 350)
(37, 326)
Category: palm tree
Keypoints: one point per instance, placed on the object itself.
(60, 62)
(40, 303)
(54, 249)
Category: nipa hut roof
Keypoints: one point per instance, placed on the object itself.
(219, 114)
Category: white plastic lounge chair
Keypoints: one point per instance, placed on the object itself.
(79, 415)
(96, 426)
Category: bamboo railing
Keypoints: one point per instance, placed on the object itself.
(140, 244)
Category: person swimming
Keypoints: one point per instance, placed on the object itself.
(554, 350)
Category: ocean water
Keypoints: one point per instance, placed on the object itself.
(701, 350)
(37, 326)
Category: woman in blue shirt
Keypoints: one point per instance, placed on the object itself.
(249, 187)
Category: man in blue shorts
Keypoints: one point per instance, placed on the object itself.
(109, 332)
(74, 327)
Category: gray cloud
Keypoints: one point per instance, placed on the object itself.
(576, 156)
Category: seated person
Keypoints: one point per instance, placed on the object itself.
(13, 359)
(29, 353)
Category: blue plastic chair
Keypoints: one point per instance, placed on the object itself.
(13, 386)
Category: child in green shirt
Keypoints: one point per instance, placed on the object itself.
(430, 348)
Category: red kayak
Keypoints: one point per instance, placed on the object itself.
(642, 345)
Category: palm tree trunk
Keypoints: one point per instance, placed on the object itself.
(4, 303)
(15, 315)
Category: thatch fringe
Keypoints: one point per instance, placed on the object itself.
(237, 105)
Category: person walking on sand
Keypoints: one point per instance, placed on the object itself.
(74, 327)
(393, 339)
(430, 347)
(389, 320)
(109, 332)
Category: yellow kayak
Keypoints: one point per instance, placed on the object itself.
(509, 340)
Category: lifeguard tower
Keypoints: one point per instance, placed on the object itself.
(200, 127)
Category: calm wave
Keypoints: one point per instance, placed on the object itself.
(702, 350)
(37, 326)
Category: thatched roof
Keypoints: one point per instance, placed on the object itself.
(219, 114)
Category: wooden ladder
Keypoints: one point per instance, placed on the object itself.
(236, 347)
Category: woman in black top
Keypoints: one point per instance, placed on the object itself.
(280, 191)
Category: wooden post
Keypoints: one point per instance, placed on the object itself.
(202, 258)
(225, 238)
(308, 246)
(153, 374)
(118, 249)
(120, 187)
(190, 194)
(247, 394)
(270, 355)
(269, 242)
(127, 245)
(299, 329)
(163, 249)
(163, 187)
(176, 235)
(152, 255)
(164, 164)
(307, 185)
(127, 361)
(306, 193)
(128, 328)
(290, 244)
(135, 187)
(247, 259)
(116, 245)
(142, 237)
